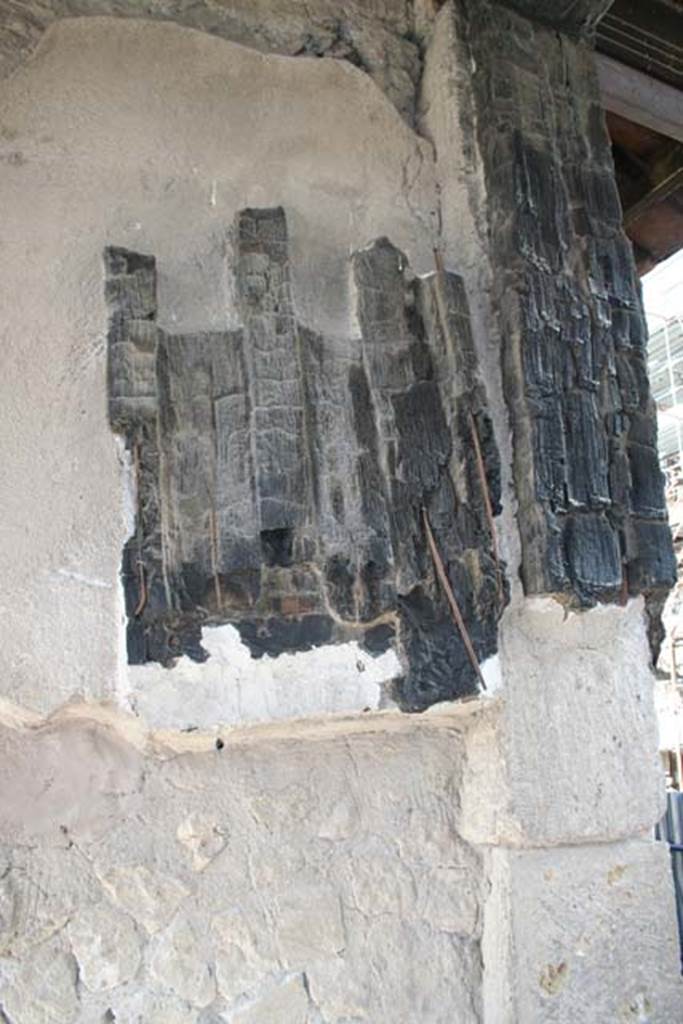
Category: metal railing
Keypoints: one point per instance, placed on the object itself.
(670, 830)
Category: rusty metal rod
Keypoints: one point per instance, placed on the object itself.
(214, 557)
(142, 583)
(450, 597)
(142, 600)
(488, 507)
(481, 468)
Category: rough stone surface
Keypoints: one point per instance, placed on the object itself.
(106, 947)
(180, 961)
(342, 887)
(282, 478)
(42, 988)
(592, 515)
(574, 919)
(574, 717)
(335, 888)
(150, 897)
(282, 1004)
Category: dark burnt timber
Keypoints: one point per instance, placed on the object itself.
(283, 477)
(592, 515)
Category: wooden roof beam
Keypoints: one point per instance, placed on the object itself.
(639, 98)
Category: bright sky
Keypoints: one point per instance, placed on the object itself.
(663, 291)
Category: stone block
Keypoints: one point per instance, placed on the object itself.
(567, 752)
(150, 897)
(286, 1003)
(179, 961)
(106, 946)
(583, 934)
(42, 988)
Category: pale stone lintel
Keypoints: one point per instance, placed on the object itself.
(457, 715)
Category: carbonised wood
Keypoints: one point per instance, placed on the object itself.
(282, 475)
(592, 514)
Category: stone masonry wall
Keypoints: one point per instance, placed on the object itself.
(298, 880)
(488, 861)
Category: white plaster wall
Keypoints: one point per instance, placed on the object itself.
(152, 136)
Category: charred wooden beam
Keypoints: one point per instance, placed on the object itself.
(592, 514)
(283, 477)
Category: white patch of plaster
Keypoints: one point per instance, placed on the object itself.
(492, 671)
(232, 687)
(129, 488)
